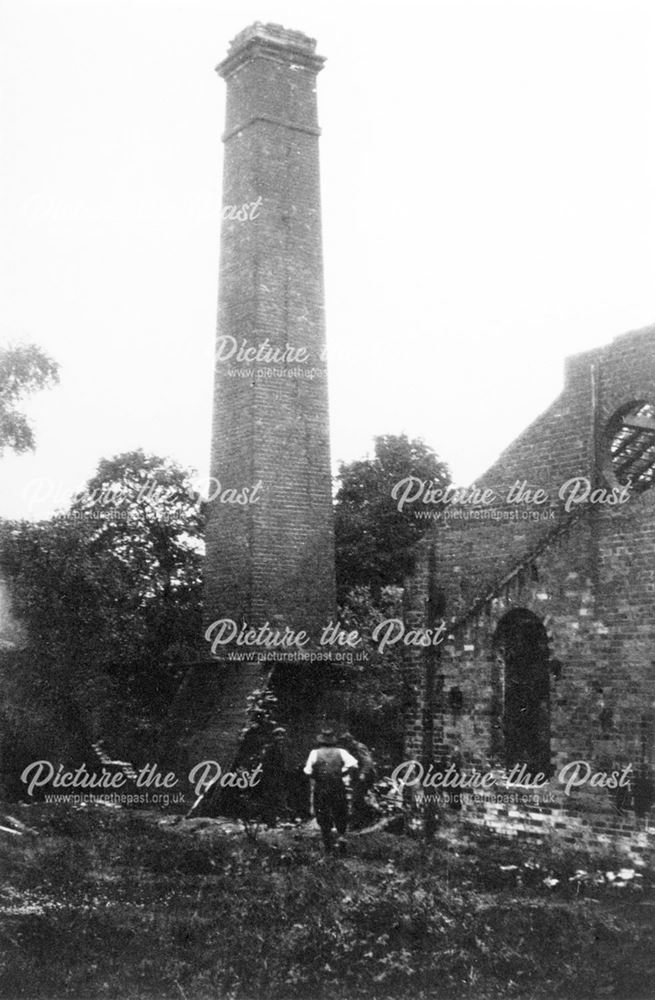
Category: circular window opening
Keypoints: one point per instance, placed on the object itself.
(631, 446)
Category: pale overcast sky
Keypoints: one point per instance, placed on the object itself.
(488, 177)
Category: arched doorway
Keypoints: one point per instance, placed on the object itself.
(521, 644)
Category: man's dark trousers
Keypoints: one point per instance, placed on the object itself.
(331, 808)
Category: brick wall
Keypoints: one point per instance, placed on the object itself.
(588, 575)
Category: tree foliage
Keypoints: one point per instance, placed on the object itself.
(110, 593)
(24, 369)
(148, 514)
(374, 538)
(376, 692)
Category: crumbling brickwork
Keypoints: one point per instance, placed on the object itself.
(584, 576)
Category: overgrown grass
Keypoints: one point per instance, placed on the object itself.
(107, 905)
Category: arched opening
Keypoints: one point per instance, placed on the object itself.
(630, 446)
(521, 644)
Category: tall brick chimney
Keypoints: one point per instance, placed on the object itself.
(270, 538)
(269, 535)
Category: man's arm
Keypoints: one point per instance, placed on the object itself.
(309, 771)
(349, 762)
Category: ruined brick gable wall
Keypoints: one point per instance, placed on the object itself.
(593, 587)
(559, 445)
(602, 633)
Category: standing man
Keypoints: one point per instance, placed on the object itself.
(327, 766)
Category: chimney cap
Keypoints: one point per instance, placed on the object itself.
(274, 41)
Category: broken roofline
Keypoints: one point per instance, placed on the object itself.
(579, 398)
